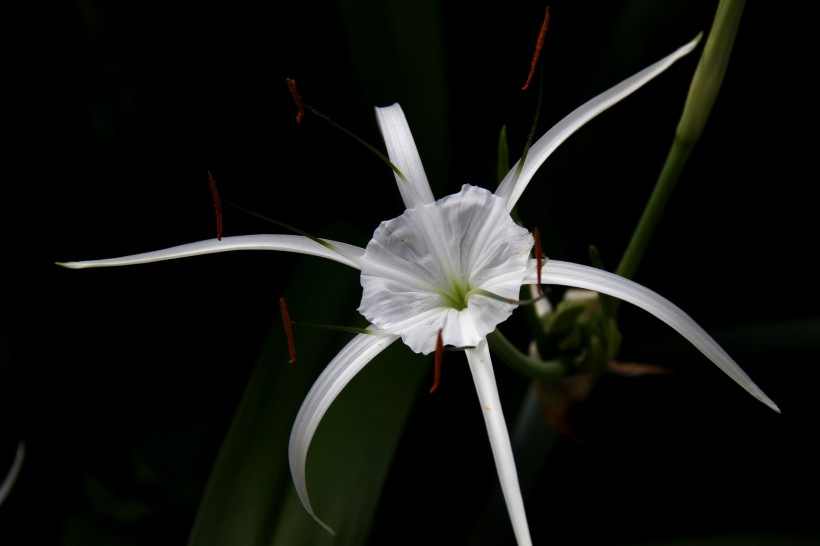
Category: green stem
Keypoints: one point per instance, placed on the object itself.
(523, 364)
(642, 235)
(703, 91)
(710, 71)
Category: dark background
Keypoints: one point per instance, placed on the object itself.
(123, 382)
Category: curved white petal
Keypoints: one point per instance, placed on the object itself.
(338, 373)
(581, 276)
(424, 271)
(401, 149)
(512, 187)
(482, 369)
(14, 471)
(341, 252)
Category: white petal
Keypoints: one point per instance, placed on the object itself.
(581, 276)
(342, 252)
(419, 268)
(338, 373)
(14, 471)
(482, 369)
(511, 187)
(401, 149)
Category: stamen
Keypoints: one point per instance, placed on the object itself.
(301, 105)
(358, 139)
(511, 301)
(437, 362)
(348, 329)
(288, 330)
(539, 257)
(531, 136)
(347, 254)
(492, 295)
(538, 45)
(296, 98)
(217, 206)
(298, 231)
(531, 301)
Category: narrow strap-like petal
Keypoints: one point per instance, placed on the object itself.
(340, 252)
(401, 149)
(351, 359)
(582, 276)
(14, 471)
(482, 369)
(513, 186)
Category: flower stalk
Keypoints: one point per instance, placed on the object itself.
(701, 98)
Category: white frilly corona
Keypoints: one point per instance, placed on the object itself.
(455, 265)
(430, 268)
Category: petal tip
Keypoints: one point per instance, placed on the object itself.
(325, 526)
(772, 405)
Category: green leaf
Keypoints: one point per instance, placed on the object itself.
(250, 500)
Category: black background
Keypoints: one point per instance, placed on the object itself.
(114, 111)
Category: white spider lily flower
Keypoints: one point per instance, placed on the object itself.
(453, 266)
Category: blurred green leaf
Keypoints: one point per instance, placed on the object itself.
(352, 450)
(249, 499)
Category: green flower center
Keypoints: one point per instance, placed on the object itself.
(457, 294)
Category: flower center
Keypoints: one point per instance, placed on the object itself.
(458, 294)
(421, 271)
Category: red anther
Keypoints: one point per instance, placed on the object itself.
(538, 45)
(437, 362)
(217, 206)
(539, 256)
(296, 98)
(288, 330)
